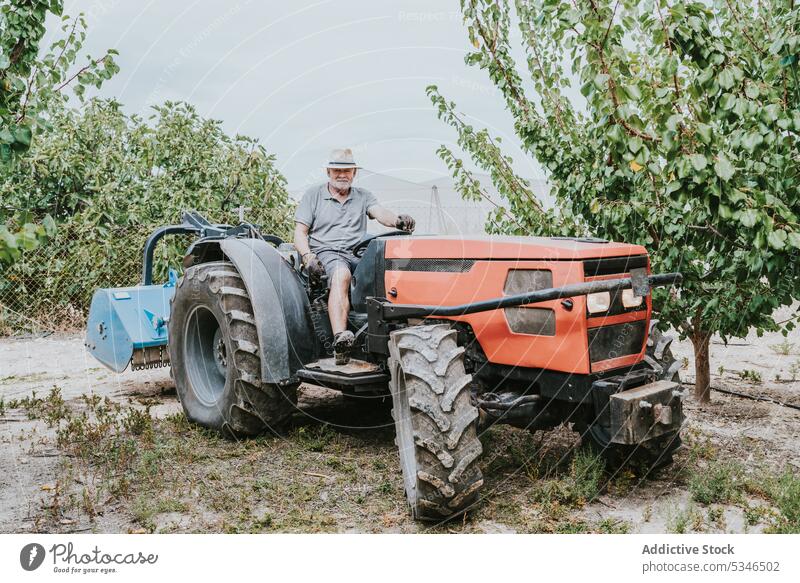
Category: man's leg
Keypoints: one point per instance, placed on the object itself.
(337, 268)
(339, 298)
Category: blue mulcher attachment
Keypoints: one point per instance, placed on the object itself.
(129, 325)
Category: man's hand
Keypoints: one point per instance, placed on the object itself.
(314, 267)
(405, 223)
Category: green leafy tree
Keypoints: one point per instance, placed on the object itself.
(671, 124)
(28, 237)
(33, 81)
(109, 179)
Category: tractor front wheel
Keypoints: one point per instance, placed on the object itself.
(435, 420)
(216, 358)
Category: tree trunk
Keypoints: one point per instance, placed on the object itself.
(702, 366)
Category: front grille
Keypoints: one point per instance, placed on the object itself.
(440, 265)
(615, 341)
(612, 265)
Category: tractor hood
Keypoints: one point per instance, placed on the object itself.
(503, 247)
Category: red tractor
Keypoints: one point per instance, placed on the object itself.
(462, 332)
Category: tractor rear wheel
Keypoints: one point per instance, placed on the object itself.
(435, 420)
(653, 453)
(216, 357)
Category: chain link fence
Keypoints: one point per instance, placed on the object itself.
(49, 289)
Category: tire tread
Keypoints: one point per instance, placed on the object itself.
(443, 420)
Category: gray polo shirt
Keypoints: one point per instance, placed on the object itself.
(333, 224)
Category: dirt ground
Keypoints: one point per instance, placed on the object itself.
(72, 461)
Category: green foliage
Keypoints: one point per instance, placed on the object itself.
(750, 375)
(785, 491)
(783, 348)
(33, 81)
(581, 485)
(108, 179)
(720, 482)
(29, 236)
(665, 123)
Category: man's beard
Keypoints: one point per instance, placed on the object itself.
(340, 183)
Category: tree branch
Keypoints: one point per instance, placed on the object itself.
(547, 90)
(743, 30)
(612, 89)
(518, 187)
(512, 85)
(610, 24)
(83, 69)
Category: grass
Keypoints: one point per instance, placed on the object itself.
(794, 370)
(783, 348)
(728, 483)
(750, 376)
(316, 479)
(720, 482)
(613, 526)
(716, 516)
(683, 520)
(167, 475)
(145, 509)
(541, 485)
(575, 488)
(784, 491)
(51, 408)
(157, 467)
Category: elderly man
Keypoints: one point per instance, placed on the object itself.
(330, 219)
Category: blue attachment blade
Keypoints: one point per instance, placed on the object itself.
(125, 319)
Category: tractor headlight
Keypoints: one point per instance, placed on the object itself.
(598, 302)
(629, 300)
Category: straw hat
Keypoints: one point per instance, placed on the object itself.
(342, 158)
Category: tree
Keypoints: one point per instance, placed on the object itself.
(685, 140)
(108, 179)
(31, 84)
(26, 238)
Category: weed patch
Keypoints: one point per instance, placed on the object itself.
(785, 493)
(718, 483)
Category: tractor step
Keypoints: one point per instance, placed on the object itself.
(356, 373)
(353, 368)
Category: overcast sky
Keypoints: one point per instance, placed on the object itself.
(305, 76)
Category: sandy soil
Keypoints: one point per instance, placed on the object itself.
(336, 470)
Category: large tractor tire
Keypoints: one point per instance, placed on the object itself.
(653, 453)
(435, 420)
(216, 358)
(658, 354)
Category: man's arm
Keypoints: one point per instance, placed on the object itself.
(389, 218)
(301, 239)
(313, 266)
(386, 217)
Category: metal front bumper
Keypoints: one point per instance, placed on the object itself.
(646, 412)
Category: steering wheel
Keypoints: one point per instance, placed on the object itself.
(359, 248)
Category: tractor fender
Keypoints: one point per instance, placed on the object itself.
(280, 307)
